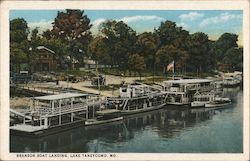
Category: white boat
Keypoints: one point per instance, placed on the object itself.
(231, 82)
(136, 98)
(181, 92)
(200, 99)
(54, 113)
(232, 79)
(218, 102)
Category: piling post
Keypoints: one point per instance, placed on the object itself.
(72, 110)
(60, 116)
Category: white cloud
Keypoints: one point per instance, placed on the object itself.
(190, 16)
(96, 24)
(133, 19)
(222, 18)
(42, 25)
(183, 25)
(139, 23)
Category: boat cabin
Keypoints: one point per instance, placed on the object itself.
(181, 92)
(185, 85)
(135, 90)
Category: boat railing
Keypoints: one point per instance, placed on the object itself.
(133, 107)
(63, 109)
(157, 103)
(175, 89)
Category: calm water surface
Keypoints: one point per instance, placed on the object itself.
(169, 130)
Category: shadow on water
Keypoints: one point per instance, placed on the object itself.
(160, 129)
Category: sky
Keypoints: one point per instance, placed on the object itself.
(212, 22)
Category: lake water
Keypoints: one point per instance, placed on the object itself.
(169, 130)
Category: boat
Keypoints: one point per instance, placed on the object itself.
(54, 113)
(135, 98)
(181, 92)
(208, 99)
(218, 102)
(231, 82)
(232, 79)
(200, 99)
(104, 117)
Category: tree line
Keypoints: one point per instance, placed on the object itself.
(116, 44)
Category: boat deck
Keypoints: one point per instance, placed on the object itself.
(26, 128)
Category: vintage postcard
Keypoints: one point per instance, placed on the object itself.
(124, 80)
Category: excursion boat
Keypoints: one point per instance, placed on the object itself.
(232, 79)
(54, 113)
(218, 102)
(231, 82)
(181, 92)
(200, 99)
(136, 98)
(209, 99)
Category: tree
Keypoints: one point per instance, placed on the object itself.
(74, 28)
(234, 57)
(18, 55)
(136, 63)
(146, 46)
(198, 48)
(120, 40)
(18, 30)
(168, 53)
(47, 34)
(18, 43)
(168, 33)
(225, 42)
(98, 50)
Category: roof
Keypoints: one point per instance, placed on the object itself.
(188, 81)
(43, 47)
(60, 96)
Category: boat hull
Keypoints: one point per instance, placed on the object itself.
(130, 112)
(217, 104)
(48, 131)
(100, 122)
(198, 104)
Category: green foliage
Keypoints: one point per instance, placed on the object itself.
(234, 56)
(146, 46)
(18, 30)
(136, 62)
(73, 27)
(198, 48)
(19, 44)
(118, 45)
(119, 42)
(99, 50)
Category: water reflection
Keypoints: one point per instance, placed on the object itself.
(131, 135)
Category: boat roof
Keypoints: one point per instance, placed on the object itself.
(187, 81)
(60, 96)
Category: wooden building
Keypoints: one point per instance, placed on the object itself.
(44, 60)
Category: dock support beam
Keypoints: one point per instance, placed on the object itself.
(72, 119)
(60, 116)
(87, 112)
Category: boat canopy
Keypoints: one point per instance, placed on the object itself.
(189, 81)
(60, 96)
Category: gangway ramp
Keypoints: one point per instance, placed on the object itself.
(19, 114)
